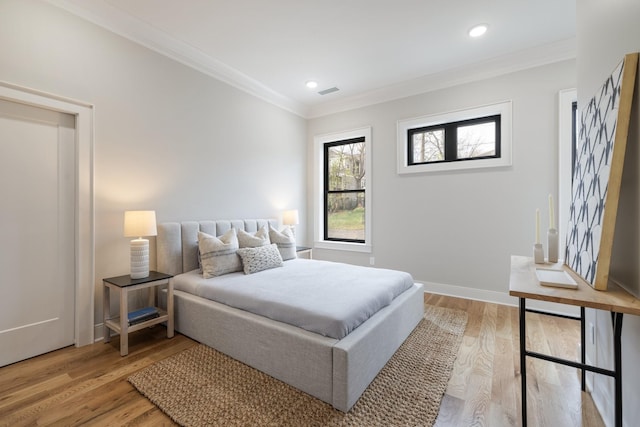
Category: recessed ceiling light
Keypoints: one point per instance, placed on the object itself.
(312, 84)
(478, 30)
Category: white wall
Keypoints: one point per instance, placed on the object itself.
(166, 136)
(606, 32)
(459, 229)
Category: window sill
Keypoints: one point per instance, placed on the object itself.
(455, 165)
(343, 246)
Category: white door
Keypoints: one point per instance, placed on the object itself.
(37, 242)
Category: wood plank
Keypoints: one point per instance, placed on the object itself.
(32, 370)
(462, 368)
(483, 360)
(504, 384)
(33, 392)
(503, 322)
(537, 341)
(477, 402)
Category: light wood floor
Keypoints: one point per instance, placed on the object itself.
(484, 389)
(88, 385)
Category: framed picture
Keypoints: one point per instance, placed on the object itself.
(603, 132)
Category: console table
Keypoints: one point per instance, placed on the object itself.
(524, 284)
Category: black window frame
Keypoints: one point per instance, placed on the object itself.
(574, 137)
(451, 139)
(325, 150)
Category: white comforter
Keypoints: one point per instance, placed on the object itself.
(327, 298)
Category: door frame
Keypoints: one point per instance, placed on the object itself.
(566, 98)
(84, 203)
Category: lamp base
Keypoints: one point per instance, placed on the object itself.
(139, 258)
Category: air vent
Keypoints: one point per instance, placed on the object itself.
(327, 91)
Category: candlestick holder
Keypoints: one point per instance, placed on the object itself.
(552, 241)
(538, 253)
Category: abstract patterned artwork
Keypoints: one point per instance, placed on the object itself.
(597, 175)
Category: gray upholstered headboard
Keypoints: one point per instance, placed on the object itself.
(177, 242)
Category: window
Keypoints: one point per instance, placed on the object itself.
(343, 213)
(344, 188)
(456, 141)
(474, 138)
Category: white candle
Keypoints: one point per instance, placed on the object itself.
(537, 226)
(551, 224)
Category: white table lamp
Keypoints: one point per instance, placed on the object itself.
(291, 219)
(138, 224)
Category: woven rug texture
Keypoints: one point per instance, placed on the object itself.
(203, 387)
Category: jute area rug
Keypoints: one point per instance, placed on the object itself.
(203, 387)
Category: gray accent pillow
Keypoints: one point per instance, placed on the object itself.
(218, 254)
(285, 240)
(253, 240)
(260, 258)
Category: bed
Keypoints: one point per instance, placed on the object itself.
(335, 370)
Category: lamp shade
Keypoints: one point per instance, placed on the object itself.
(140, 223)
(290, 217)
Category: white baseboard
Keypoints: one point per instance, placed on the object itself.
(497, 298)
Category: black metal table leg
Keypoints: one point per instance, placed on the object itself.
(616, 321)
(583, 349)
(523, 360)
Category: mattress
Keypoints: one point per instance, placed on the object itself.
(330, 299)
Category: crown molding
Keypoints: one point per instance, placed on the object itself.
(521, 60)
(125, 25)
(115, 20)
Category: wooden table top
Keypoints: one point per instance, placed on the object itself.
(524, 284)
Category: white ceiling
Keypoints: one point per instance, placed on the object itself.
(372, 50)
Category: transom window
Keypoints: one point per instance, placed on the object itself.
(473, 138)
(461, 140)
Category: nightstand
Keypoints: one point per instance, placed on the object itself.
(304, 252)
(124, 285)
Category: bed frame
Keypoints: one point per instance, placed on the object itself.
(335, 371)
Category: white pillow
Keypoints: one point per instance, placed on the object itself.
(260, 258)
(285, 240)
(249, 240)
(218, 254)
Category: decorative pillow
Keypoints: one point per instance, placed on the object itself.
(285, 240)
(259, 238)
(218, 254)
(260, 258)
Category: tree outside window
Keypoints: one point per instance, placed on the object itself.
(344, 195)
(460, 140)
